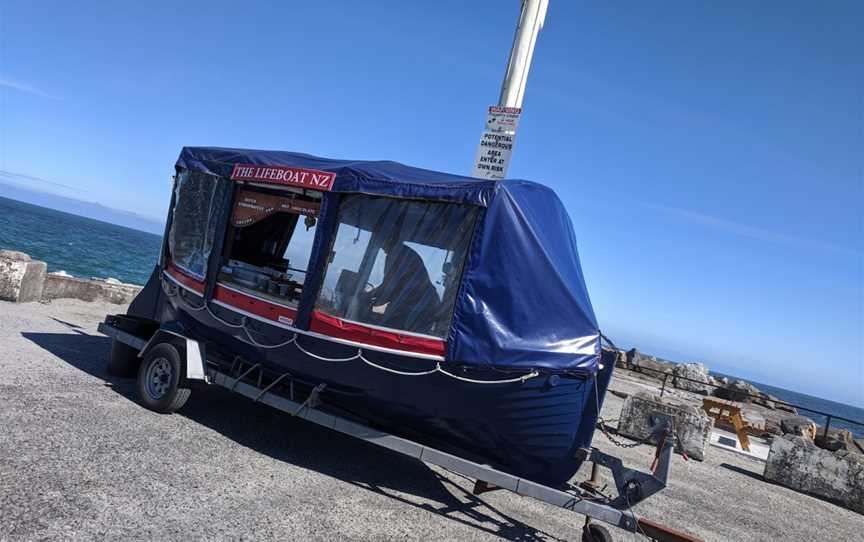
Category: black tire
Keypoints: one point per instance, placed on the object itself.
(123, 360)
(162, 384)
(594, 532)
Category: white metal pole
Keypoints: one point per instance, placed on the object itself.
(531, 20)
(496, 144)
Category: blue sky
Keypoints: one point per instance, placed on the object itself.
(710, 154)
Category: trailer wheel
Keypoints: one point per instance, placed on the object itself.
(162, 385)
(123, 360)
(594, 532)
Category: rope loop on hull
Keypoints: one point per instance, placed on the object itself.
(242, 324)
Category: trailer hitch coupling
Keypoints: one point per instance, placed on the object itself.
(633, 485)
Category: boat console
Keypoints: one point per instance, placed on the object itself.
(262, 280)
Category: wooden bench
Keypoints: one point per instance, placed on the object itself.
(729, 414)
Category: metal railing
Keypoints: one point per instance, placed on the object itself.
(829, 417)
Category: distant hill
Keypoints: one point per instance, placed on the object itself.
(82, 208)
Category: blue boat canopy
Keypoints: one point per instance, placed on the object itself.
(522, 303)
(377, 178)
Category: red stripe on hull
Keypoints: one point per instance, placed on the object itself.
(256, 306)
(184, 278)
(321, 323)
(335, 327)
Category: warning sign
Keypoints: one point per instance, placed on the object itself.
(493, 156)
(496, 143)
(503, 119)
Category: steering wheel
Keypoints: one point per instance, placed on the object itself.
(370, 315)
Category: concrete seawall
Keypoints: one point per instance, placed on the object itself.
(59, 286)
(23, 279)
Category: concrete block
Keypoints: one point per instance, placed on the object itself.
(21, 278)
(691, 424)
(60, 286)
(797, 463)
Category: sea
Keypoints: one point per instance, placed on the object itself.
(86, 248)
(78, 246)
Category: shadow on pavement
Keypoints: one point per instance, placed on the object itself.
(65, 323)
(88, 353)
(277, 435)
(743, 471)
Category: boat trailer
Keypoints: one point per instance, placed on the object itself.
(286, 393)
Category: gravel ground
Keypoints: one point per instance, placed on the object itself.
(81, 460)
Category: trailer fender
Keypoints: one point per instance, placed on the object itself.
(193, 352)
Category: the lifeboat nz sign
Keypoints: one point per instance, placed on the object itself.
(292, 176)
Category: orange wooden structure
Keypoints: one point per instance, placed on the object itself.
(728, 413)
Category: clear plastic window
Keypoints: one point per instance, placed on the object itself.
(269, 243)
(193, 227)
(397, 263)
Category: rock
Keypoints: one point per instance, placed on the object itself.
(835, 440)
(621, 360)
(655, 368)
(772, 427)
(768, 401)
(633, 358)
(691, 371)
(738, 391)
(851, 455)
(801, 426)
(784, 407)
(21, 278)
(691, 424)
(637, 362)
(797, 463)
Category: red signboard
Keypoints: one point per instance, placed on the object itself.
(292, 176)
(508, 110)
